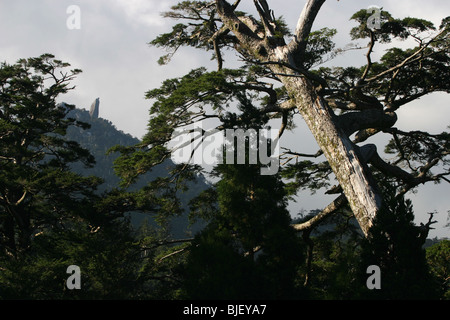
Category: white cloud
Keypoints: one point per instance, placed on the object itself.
(144, 12)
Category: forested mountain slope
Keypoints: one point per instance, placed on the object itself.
(98, 139)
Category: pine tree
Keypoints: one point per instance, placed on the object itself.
(249, 249)
(36, 188)
(51, 217)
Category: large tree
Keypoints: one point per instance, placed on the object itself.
(50, 216)
(342, 106)
(248, 250)
(34, 178)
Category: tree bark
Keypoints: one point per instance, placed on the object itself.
(343, 156)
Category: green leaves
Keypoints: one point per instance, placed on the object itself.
(420, 76)
(51, 217)
(246, 214)
(178, 104)
(197, 88)
(197, 33)
(36, 187)
(416, 25)
(390, 28)
(318, 47)
(416, 148)
(438, 257)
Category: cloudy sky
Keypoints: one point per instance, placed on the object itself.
(119, 67)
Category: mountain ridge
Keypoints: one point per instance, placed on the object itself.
(103, 135)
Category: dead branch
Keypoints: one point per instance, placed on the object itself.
(332, 208)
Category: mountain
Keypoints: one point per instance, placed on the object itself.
(98, 139)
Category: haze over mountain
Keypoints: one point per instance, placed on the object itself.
(103, 135)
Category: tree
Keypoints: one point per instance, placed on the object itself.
(35, 185)
(51, 217)
(333, 255)
(395, 245)
(334, 102)
(248, 250)
(438, 259)
(108, 259)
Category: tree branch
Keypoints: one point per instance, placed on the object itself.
(424, 229)
(409, 179)
(416, 56)
(245, 35)
(332, 208)
(21, 198)
(298, 72)
(304, 24)
(171, 254)
(166, 242)
(369, 52)
(306, 155)
(371, 118)
(266, 16)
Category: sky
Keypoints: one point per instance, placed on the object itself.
(110, 45)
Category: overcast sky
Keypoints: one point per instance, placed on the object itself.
(119, 67)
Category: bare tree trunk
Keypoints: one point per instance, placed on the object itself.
(343, 156)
